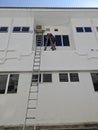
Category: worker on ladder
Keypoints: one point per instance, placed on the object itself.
(50, 40)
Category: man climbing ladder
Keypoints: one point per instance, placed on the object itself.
(50, 40)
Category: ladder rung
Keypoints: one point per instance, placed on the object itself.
(38, 50)
(31, 107)
(36, 70)
(37, 61)
(33, 91)
(37, 54)
(35, 73)
(34, 79)
(30, 117)
(32, 99)
(37, 65)
(39, 39)
(33, 84)
(37, 57)
(39, 42)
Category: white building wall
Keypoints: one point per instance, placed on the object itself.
(70, 102)
(85, 40)
(16, 48)
(58, 102)
(13, 106)
(95, 24)
(4, 37)
(69, 60)
(22, 41)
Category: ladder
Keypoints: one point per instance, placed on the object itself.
(32, 101)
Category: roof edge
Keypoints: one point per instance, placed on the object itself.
(48, 7)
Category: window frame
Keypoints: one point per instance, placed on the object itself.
(36, 80)
(79, 29)
(66, 76)
(50, 78)
(25, 29)
(7, 82)
(4, 83)
(73, 78)
(3, 29)
(16, 29)
(97, 29)
(60, 39)
(67, 42)
(94, 81)
(87, 29)
(21, 29)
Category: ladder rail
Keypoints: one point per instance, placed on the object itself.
(24, 126)
(37, 48)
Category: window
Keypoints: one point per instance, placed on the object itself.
(13, 83)
(95, 80)
(3, 81)
(47, 77)
(35, 78)
(97, 29)
(63, 77)
(21, 29)
(61, 40)
(65, 40)
(74, 77)
(17, 29)
(3, 29)
(83, 29)
(25, 29)
(58, 40)
(87, 29)
(79, 29)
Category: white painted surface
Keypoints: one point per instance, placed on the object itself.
(67, 102)
(22, 41)
(58, 102)
(16, 54)
(69, 60)
(84, 40)
(13, 106)
(4, 37)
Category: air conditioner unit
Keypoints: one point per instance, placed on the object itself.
(39, 29)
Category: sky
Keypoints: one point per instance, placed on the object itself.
(49, 3)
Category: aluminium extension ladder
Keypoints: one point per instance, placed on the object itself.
(34, 88)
